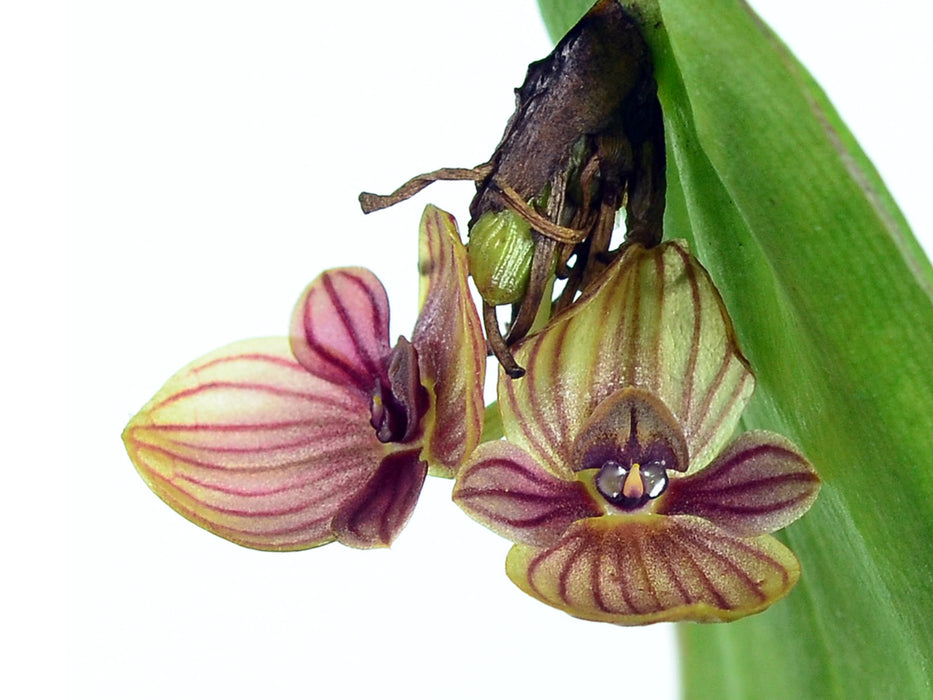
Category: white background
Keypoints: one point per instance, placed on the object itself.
(215, 150)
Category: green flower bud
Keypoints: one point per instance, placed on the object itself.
(500, 252)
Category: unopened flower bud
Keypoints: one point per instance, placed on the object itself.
(500, 252)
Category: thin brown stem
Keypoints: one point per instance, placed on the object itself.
(497, 343)
(374, 202)
(542, 264)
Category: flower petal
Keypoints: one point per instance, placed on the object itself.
(340, 328)
(376, 515)
(246, 444)
(451, 349)
(759, 484)
(654, 321)
(503, 488)
(634, 570)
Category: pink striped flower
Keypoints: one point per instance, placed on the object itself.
(618, 481)
(290, 443)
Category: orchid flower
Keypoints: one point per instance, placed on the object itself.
(291, 443)
(616, 481)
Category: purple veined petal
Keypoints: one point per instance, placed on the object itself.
(502, 487)
(340, 328)
(655, 321)
(247, 444)
(375, 515)
(759, 484)
(451, 348)
(635, 570)
(706, 381)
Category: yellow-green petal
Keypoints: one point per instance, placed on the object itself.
(451, 348)
(654, 321)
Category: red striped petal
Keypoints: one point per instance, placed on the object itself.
(451, 349)
(503, 488)
(759, 484)
(634, 570)
(247, 444)
(376, 515)
(340, 328)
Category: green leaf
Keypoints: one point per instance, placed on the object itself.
(492, 423)
(832, 301)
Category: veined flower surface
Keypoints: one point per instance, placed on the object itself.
(618, 481)
(290, 443)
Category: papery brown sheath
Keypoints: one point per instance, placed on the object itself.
(585, 139)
